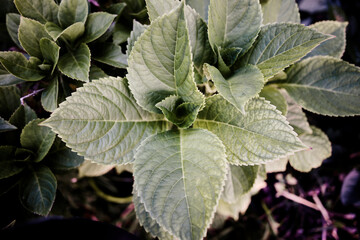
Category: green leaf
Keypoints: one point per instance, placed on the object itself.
(325, 85)
(166, 67)
(12, 25)
(279, 11)
(96, 73)
(22, 116)
(240, 180)
(179, 176)
(145, 220)
(260, 136)
(110, 54)
(6, 78)
(182, 114)
(17, 64)
(103, 123)
(200, 6)
(275, 97)
(138, 29)
(121, 33)
(334, 47)
(9, 101)
(296, 116)
(6, 126)
(39, 10)
(9, 165)
(234, 23)
(242, 86)
(61, 157)
(281, 44)
(72, 11)
(73, 32)
(50, 51)
(37, 138)
(76, 64)
(157, 8)
(49, 97)
(38, 189)
(30, 33)
(116, 8)
(277, 166)
(53, 30)
(96, 25)
(320, 149)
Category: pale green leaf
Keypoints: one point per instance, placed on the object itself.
(30, 33)
(325, 85)
(281, 44)
(40, 10)
(49, 97)
(179, 176)
(12, 25)
(110, 54)
(61, 157)
(145, 220)
(201, 7)
(261, 135)
(334, 47)
(103, 123)
(76, 64)
(92, 169)
(240, 180)
(296, 115)
(278, 11)
(38, 139)
(320, 149)
(9, 101)
(182, 114)
(234, 23)
(160, 63)
(9, 165)
(239, 88)
(138, 29)
(157, 8)
(72, 11)
(38, 189)
(96, 25)
(6, 126)
(277, 166)
(276, 98)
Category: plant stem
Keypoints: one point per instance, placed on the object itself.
(30, 95)
(298, 199)
(109, 197)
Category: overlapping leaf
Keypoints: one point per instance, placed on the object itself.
(261, 135)
(40, 10)
(280, 11)
(72, 11)
(179, 176)
(102, 122)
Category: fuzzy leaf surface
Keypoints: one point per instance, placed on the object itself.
(320, 145)
(238, 89)
(200, 6)
(40, 10)
(280, 11)
(138, 29)
(102, 122)
(180, 176)
(325, 85)
(38, 189)
(234, 23)
(281, 44)
(160, 63)
(261, 135)
(276, 98)
(334, 47)
(76, 64)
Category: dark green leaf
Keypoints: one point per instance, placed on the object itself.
(17, 64)
(37, 138)
(53, 30)
(110, 54)
(22, 116)
(116, 8)
(9, 166)
(121, 33)
(50, 51)
(38, 190)
(30, 33)
(96, 73)
(40, 10)
(9, 101)
(96, 25)
(7, 79)
(76, 64)
(6, 126)
(72, 11)
(12, 25)
(49, 97)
